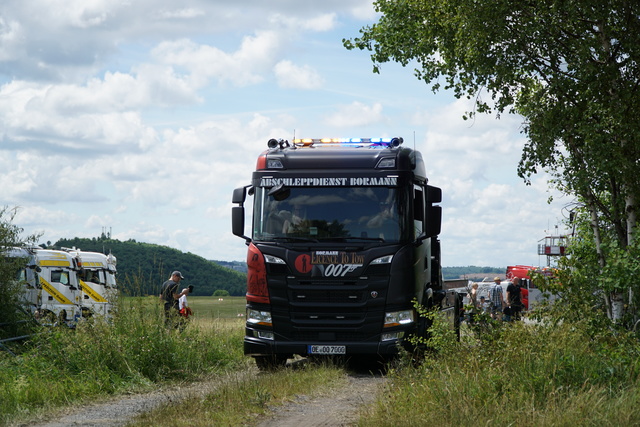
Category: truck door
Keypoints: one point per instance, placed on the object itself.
(422, 253)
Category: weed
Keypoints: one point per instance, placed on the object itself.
(62, 366)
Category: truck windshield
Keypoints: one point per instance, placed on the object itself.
(329, 213)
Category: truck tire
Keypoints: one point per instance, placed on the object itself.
(270, 362)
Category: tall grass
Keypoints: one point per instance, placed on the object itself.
(241, 401)
(61, 366)
(521, 375)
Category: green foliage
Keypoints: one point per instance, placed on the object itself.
(527, 374)
(143, 267)
(14, 320)
(441, 338)
(242, 401)
(60, 366)
(585, 278)
(221, 293)
(570, 68)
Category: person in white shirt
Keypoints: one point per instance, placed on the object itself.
(183, 306)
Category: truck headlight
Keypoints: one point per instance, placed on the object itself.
(392, 336)
(259, 317)
(382, 260)
(397, 318)
(264, 335)
(273, 259)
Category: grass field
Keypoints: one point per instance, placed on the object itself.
(212, 307)
(135, 352)
(208, 312)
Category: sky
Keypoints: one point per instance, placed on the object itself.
(140, 117)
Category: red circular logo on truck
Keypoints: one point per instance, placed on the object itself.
(303, 263)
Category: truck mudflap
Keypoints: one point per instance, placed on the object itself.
(259, 347)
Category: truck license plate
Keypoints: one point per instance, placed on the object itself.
(327, 349)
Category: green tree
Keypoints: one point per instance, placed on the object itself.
(571, 68)
(12, 315)
(221, 293)
(143, 267)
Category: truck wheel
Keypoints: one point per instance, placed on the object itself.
(270, 363)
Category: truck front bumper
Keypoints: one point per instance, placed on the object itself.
(261, 347)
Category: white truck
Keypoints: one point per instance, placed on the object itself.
(62, 286)
(52, 287)
(97, 279)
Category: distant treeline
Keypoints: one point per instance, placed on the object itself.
(462, 272)
(143, 267)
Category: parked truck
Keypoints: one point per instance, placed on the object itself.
(97, 279)
(62, 286)
(344, 239)
(52, 290)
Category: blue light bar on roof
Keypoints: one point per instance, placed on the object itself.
(359, 141)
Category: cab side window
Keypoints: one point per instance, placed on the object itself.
(418, 210)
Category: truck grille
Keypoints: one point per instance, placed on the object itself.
(328, 310)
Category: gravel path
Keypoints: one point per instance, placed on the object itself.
(340, 408)
(122, 409)
(336, 408)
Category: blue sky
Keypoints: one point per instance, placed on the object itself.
(142, 116)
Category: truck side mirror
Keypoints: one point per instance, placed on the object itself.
(433, 194)
(239, 195)
(237, 222)
(434, 221)
(237, 212)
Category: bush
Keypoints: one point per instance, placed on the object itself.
(14, 320)
(62, 366)
(526, 374)
(221, 293)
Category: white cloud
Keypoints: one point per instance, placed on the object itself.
(243, 67)
(184, 13)
(319, 23)
(144, 116)
(356, 114)
(291, 76)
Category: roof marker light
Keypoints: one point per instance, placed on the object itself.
(274, 164)
(364, 142)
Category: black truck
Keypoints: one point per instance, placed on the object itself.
(343, 242)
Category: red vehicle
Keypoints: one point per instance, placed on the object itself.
(520, 271)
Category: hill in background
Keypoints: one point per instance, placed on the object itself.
(143, 267)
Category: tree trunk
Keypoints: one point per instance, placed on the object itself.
(609, 299)
(617, 306)
(630, 206)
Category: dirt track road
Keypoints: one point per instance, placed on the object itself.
(338, 407)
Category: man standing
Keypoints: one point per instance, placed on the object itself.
(170, 295)
(496, 299)
(514, 299)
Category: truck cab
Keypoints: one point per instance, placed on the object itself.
(343, 243)
(97, 281)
